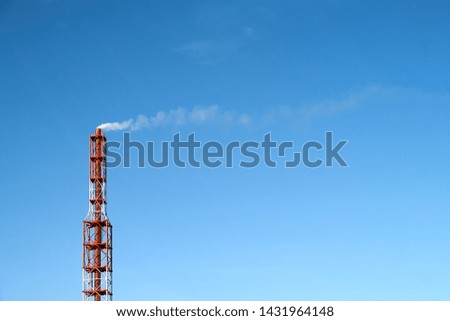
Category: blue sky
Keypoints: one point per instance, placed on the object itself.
(375, 73)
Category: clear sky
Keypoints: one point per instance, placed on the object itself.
(375, 73)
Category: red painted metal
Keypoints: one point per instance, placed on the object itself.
(97, 230)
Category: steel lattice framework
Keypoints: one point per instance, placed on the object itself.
(97, 230)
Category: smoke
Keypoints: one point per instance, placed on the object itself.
(116, 125)
(296, 116)
(306, 115)
(178, 117)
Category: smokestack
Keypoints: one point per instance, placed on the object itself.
(97, 230)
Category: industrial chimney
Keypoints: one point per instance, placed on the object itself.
(97, 230)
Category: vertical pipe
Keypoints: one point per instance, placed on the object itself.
(97, 230)
(98, 205)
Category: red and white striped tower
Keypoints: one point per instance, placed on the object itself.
(97, 230)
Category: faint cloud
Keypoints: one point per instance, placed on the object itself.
(306, 115)
(208, 52)
(215, 50)
(244, 119)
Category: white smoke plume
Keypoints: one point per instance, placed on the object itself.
(178, 117)
(300, 116)
(116, 125)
